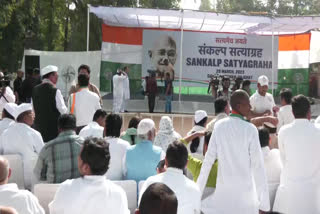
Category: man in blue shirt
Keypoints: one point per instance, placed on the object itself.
(141, 160)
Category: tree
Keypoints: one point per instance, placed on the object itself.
(161, 4)
(205, 5)
(51, 25)
(235, 6)
(17, 18)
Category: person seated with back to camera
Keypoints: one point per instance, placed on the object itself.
(141, 160)
(23, 201)
(187, 192)
(158, 199)
(27, 141)
(130, 135)
(92, 192)
(57, 160)
(117, 146)
(96, 127)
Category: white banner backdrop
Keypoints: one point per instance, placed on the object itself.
(314, 47)
(68, 63)
(208, 54)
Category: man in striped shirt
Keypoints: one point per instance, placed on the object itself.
(57, 160)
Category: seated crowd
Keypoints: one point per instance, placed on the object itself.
(227, 165)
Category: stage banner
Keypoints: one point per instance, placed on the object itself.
(161, 53)
(207, 54)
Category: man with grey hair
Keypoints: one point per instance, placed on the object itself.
(22, 201)
(140, 160)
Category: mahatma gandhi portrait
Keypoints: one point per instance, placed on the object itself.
(163, 55)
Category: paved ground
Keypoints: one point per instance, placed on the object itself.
(188, 104)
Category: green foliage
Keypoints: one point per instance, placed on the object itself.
(236, 6)
(161, 4)
(205, 5)
(50, 25)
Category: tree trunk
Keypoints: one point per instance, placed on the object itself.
(50, 30)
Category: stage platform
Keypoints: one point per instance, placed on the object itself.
(183, 107)
(183, 112)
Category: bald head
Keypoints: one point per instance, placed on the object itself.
(240, 102)
(8, 210)
(4, 169)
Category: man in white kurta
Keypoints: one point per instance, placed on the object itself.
(21, 200)
(8, 114)
(21, 139)
(299, 145)
(241, 181)
(93, 129)
(186, 191)
(117, 146)
(118, 149)
(6, 96)
(261, 101)
(118, 90)
(221, 110)
(126, 90)
(285, 115)
(96, 127)
(272, 163)
(92, 193)
(84, 103)
(200, 122)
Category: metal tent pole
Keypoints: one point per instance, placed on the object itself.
(88, 26)
(272, 78)
(181, 58)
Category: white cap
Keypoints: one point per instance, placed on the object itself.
(145, 126)
(11, 108)
(49, 69)
(263, 80)
(199, 115)
(23, 108)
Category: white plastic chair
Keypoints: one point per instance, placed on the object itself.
(140, 185)
(130, 187)
(45, 194)
(17, 173)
